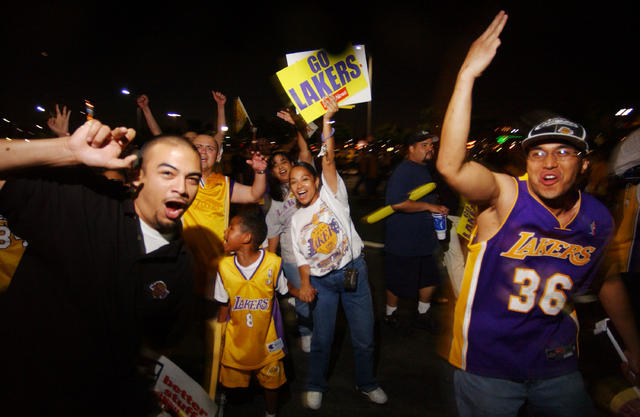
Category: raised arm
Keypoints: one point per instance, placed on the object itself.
(143, 103)
(329, 171)
(59, 124)
(472, 180)
(221, 100)
(92, 144)
(304, 154)
(245, 194)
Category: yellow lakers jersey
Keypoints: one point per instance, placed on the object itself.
(11, 250)
(623, 251)
(203, 227)
(252, 339)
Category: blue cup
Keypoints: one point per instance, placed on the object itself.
(440, 224)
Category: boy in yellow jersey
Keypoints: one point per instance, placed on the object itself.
(247, 283)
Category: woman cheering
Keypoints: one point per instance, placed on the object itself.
(329, 256)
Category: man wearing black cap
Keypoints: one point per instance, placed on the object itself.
(410, 240)
(538, 242)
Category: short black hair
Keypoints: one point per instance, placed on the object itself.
(134, 172)
(168, 139)
(312, 170)
(253, 222)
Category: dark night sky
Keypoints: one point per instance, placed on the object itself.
(567, 58)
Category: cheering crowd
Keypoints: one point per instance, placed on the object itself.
(117, 248)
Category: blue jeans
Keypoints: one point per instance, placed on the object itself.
(302, 309)
(483, 396)
(358, 309)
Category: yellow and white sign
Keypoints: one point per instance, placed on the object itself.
(313, 75)
(467, 221)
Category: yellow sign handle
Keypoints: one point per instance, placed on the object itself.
(415, 194)
(419, 192)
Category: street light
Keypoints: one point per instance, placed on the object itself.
(624, 112)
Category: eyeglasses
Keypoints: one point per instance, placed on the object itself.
(561, 154)
(209, 148)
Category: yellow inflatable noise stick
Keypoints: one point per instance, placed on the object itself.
(385, 211)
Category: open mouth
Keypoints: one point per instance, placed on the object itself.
(549, 179)
(174, 209)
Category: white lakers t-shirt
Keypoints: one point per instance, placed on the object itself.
(323, 235)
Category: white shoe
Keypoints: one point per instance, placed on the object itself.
(377, 396)
(312, 400)
(305, 343)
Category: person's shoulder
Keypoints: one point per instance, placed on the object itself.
(216, 178)
(271, 257)
(408, 167)
(509, 180)
(275, 206)
(595, 208)
(403, 165)
(227, 260)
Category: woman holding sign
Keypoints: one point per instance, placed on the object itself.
(329, 255)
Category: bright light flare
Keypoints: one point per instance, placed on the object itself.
(174, 115)
(40, 108)
(224, 128)
(125, 91)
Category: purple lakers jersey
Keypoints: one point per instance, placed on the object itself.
(514, 317)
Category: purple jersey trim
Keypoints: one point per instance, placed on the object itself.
(235, 262)
(279, 324)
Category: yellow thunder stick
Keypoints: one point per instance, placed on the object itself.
(385, 211)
